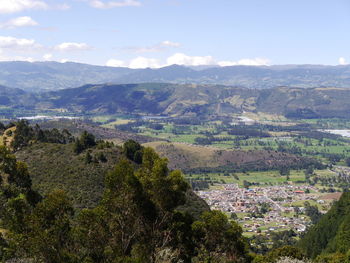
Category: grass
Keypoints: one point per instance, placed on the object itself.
(263, 177)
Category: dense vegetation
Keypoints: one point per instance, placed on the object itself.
(135, 221)
(331, 233)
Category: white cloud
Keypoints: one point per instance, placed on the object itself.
(342, 61)
(22, 21)
(168, 43)
(18, 43)
(245, 62)
(71, 46)
(47, 57)
(115, 63)
(155, 48)
(142, 62)
(14, 6)
(111, 4)
(182, 59)
(185, 60)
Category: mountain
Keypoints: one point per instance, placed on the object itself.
(197, 100)
(38, 76)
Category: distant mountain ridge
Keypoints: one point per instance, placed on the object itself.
(39, 76)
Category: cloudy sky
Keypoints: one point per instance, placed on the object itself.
(156, 33)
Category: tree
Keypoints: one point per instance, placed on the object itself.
(246, 184)
(133, 151)
(312, 212)
(88, 158)
(136, 217)
(284, 171)
(49, 237)
(285, 251)
(217, 239)
(86, 140)
(309, 170)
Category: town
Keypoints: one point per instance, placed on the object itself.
(270, 208)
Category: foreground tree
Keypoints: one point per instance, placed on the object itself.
(218, 240)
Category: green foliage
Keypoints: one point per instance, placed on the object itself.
(86, 141)
(312, 212)
(137, 219)
(88, 158)
(25, 134)
(217, 238)
(133, 151)
(16, 200)
(333, 258)
(48, 238)
(331, 233)
(56, 166)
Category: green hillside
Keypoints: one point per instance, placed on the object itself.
(331, 234)
(198, 100)
(141, 217)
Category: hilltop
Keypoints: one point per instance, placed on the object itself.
(76, 127)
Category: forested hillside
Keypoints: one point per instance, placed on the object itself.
(331, 234)
(137, 219)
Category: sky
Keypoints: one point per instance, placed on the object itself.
(157, 33)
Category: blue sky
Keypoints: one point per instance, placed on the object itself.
(155, 33)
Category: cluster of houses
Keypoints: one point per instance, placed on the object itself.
(279, 212)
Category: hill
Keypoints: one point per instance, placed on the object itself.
(190, 158)
(198, 100)
(14, 98)
(55, 166)
(38, 76)
(136, 220)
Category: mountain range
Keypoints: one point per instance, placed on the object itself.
(39, 76)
